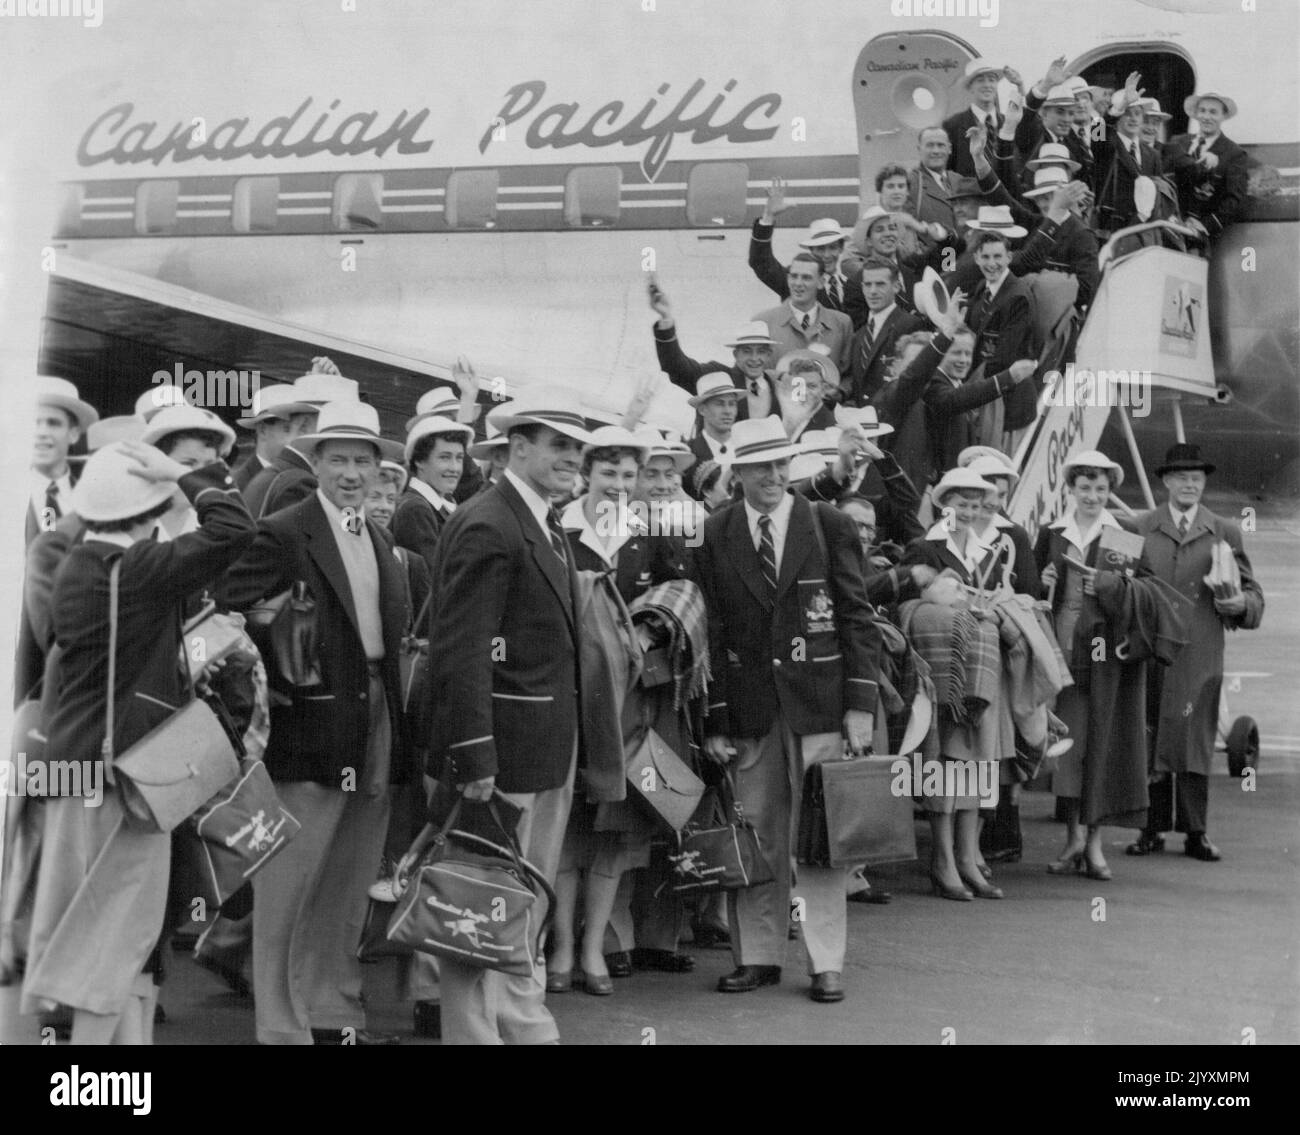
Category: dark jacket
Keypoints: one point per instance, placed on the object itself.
(416, 524)
(1004, 332)
(1215, 197)
(950, 412)
(1067, 247)
(685, 372)
(246, 470)
(1115, 174)
(899, 404)
(287, 480)
(867, 368)
(960, 161)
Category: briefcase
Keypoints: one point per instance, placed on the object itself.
(850, 815)
(664, 781)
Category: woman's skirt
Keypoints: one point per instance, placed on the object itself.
(100, 896)
(970, 759)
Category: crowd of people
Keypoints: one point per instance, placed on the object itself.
(822, 567)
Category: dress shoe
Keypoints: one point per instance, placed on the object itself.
(1198, 847)
(665, 961)
(428, 1019)
(1067, 864)
(1101, 872)
(363, 1038)
(827, 987)
(559, 982)
(619, 964)
(957, 894)
(871, 895)
(711, 937)
(598, 985)
(980, 888)
(1148, 843)
(745, 979)
(1005, 855)
(218, 967)
(985, 870)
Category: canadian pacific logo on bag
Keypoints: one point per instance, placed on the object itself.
(468, 924)
(262, 835)
(689, 863)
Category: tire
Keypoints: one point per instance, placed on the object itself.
(1243, 746)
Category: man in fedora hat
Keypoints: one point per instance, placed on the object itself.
(981, 81)
(717, 403)
(1183, 698)
(880, 239)
(435, 455)
(1209, 169)
(61, 420)
(753, 353)
(277, 418)
(1121, 157)
(824, 239)
(802, 320)
(336, 744)
(1048, 113)
(505, 679)
(1061, 242)
(795, 671)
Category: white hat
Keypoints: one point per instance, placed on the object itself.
(871, 216)
(930, 294)
(997, 219)
(825, 231)
(967, 455)
(435, 424)
(441, 400)
(761, 439)
(616, 437)
(976, 67)
(321, 388)
(713, 385)
(656, 445)
(397, 467)
(1151, 108)
(1046, 181)
(1094, 459)
(348, 421)
(123, 427)
(830, 372)
(826, 442)
(109, 490)
(989, 467)
(158, 398)
(1062, 94)
(960, 479)
(752, 334)
(1053, 154)
(1189, 104)
(482, 450)
(554, 406)
(1076, 85)
(865, 417)
(278, 400)
(60, 392)
(174, 419)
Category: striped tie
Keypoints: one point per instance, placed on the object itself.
(558, 542)
(767, 552)
(1182, 527)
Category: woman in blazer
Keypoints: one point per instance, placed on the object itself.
(102, 886)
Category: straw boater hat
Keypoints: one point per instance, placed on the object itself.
(714, 385)
(956, 479)
(554, 406)
(60, 392)
(930, 294)
(761, 439)
(1151, 108)
(175, 419)
(106, 431)
(830, 372)
(277, 400)
(1046, 180)
(997, 219)
(109, 489)
(441, 400)
(1061, 95)
(495, 440)
(158, 398)
(616, 437)
(1184, 457)
(1053, 154)
(977, 67)
(971, 452)
(435, 424)
(752, 334)
(318, 389)
(1189, 104)
(402, 475)
(817, 449)
(656, 445)
(990, 467)
(864, 417)
(348, 421)
(1094, 459)
(825, 231)
(871, 216)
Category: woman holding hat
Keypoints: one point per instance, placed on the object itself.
(958, 638)
(195, 438)
(101, 892)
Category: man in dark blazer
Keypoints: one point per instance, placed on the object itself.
(505, 680)
(276, 418)
(1208, 168)
(1049, 110)
(796, 661)
(435, 455)
(872, 351)
(716, 403)
(982, 82)
(336, 744)
(801, 321)
(1120, 158)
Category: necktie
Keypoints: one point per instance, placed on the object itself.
(753, 386)
(558, 543)
(807, 319)
(722, 449)
(1198, 148)
(767, 552)
(837, 291)
(869, 339)
(52, 500)
(1182, 527)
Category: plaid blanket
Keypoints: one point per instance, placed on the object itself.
(678, 605)
(961, 651)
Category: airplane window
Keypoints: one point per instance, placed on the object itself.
(155, 207)
(471, 200)
(591, 196)
(716, 192)
(358, 201)
(255, 203)
(70, 209)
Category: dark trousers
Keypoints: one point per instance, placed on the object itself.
(1179, 800)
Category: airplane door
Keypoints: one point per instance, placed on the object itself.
(902, 82)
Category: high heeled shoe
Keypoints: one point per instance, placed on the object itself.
(981, 889)
(957, 894)
(985, 870)
(1067, 864)
(1092, 871)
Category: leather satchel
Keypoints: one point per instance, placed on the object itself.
(293, 638)
(183, 761)
(850, 815)
(664, 781)
(413, 669)
(471, 899)
(719, 849)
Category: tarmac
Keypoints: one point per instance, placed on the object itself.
(1171, 951)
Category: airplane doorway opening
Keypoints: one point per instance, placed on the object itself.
(1167, 74)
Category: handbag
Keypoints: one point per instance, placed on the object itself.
(664, 780)
(472, 900)
(183, 761)
(375, 945)
(719, 850)
(413, 670)
(293, 638)
(850, 815)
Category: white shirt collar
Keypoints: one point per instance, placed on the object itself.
(780, 523)
(335, 514)
(541, 509)
(878, 318)
(969, 558)
(980, 114)
(1068, 527)
(1190, 514)
(40, 483)
(815, 311)
(996, 286)
(431, 495)
(715, 446)
(574, 518)
(120, 539)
